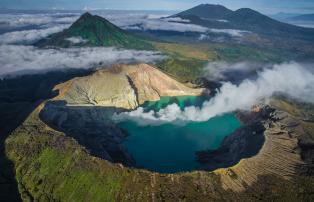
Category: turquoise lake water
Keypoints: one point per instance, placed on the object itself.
(171, 148)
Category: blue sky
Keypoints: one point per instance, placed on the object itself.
(265, 6)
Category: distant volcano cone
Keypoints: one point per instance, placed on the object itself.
(93, 30)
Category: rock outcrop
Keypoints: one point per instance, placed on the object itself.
(245, 142)
(122, 86)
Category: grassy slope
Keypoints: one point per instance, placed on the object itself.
(48, 166)
(18, 98)
(234, 53)
(184, 62)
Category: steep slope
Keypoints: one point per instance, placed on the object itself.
(122, 86)
(93, 30)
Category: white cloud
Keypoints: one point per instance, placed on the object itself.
(168, 26)
(221, 20)
(76, 40)
(307, 24)
(29, 36)
(141, 21)
(21, 20)
(231, 32)
(176, 19)
(203, 37)
(291, 79)
(126, 20)
(19, 59)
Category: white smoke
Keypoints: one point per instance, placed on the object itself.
(218, 70)
(291, 79)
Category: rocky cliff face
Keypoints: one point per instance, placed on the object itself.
(122, 86)
(281, 153)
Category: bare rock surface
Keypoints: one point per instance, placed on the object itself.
(122, 86)
(280, 154)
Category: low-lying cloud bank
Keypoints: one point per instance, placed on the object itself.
(163, 25)
(21, 59)
(231, 32)
(36, 19)
(291, 79)
(137, 21)
(29, 36)
(152, 22)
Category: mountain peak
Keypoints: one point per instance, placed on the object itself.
(248, 15)
(247, 10)
(86, 14)
(210, 11)
(212, 6)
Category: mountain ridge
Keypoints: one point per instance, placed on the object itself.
(244, 19)
(304, 17)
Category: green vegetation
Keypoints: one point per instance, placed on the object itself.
(184, 70)
(53, 168)
(184, 62)
(95, 31)
(18, 98)
(234, 53)
(185, 51)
